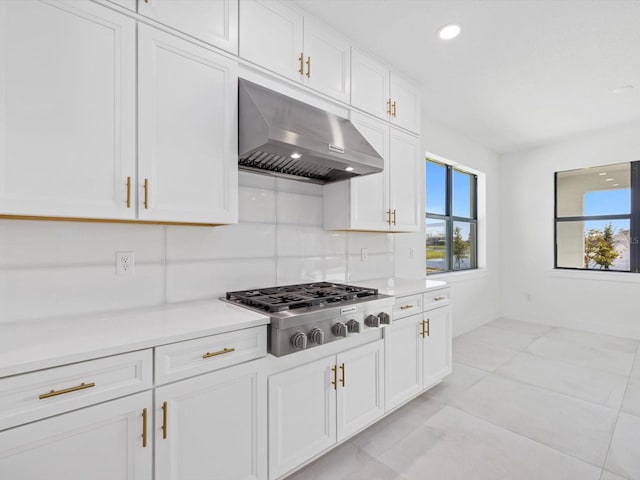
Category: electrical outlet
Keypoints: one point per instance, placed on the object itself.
(125, 263)
(364, 254)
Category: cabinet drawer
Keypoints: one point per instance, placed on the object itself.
(32, 396)
(437, 298)
(192, 357)
(406, 306)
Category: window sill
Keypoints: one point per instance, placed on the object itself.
(624, 277)
(458, 277)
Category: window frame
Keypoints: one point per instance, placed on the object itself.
(633, 216)
(450, 219)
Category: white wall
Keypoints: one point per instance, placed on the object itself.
(531, 289)
(50, 269)
(475, 295)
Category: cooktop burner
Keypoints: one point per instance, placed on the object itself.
(290, 297)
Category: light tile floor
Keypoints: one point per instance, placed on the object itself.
(524, 402)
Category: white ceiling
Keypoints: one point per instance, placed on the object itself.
(521, 73)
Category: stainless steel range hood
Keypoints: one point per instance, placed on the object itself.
(285, 137)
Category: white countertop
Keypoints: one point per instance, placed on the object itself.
(33, 345)
(400, 287)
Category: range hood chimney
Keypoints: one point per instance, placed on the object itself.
(284, 137)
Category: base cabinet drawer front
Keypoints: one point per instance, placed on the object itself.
(302, 415)
(33, 396)
(192, 357)
(102, 442)
(437, 298)
(403, 355)
(406, 306)
(213, 426)
(437, 362)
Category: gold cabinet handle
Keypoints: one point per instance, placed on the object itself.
(334, 369)
(144, 428)
(54, 393)
(342, 380)
(389, 107)
(165, 409)
(389, 217)
(128, 192)
(146, 193)
(219, 352)
(301, 60)
(423, 332)
(404, 307)
(428, 327)
(394, 109)
(308, 62)
(437, 299)
(394, 216)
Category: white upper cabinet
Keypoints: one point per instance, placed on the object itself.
(279, 38)
(212, 21)
(386, 201)
(380, 92)
(67, 110)
(187, 160)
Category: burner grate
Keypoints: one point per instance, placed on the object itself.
(291, 297)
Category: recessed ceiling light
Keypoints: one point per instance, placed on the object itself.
(449, 31)
(623, 89)
(602, 173)
(295, 156)
(609, 180)
(349, 169)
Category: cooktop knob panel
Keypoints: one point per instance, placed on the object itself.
(372, 321)
(384, 317)
(340, 329)
(316, 336)
(299, 340)
(353, 326)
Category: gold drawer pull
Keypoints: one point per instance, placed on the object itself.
(334, 369)
(423, 332)
(394, 109)
(389, 107)
(394, 216)
(342, 380)
(428, 327)
(404, 307)
(128, 192)
(301, 60)
(54, 393)
(308, 62)
(437, 299)
(165, 409)
(219, 352)
(144, 428)
(146, 193)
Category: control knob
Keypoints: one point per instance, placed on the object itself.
(384, 317)
(340, 329)
(299, 340)
(316, 336)
(372, 321)
(353, 326)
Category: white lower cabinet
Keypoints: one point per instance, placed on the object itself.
(103, 442)
(313, 406)
(417, 352)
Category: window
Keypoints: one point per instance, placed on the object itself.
(450, 218)
(597, 218)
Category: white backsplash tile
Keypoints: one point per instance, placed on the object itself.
(296, 241)
(376, 266)
(249, 179)
(211, 279)
(297, 209)
(39, 243)
(31, 293)
(256, 205)
(311, 269)
(244, 240)
(296, 186)
(373, 242)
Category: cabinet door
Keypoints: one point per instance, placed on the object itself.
(187, 131)
(212, 21)
(403, 360)
(406, 110)
(360, 388)
(370, 193)
(369, 84)
(404, 181)
(215, 423)
(103, 442)
(67, 109)
(436, 345)
(271, 36)
(302, 415)
(327, 60)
